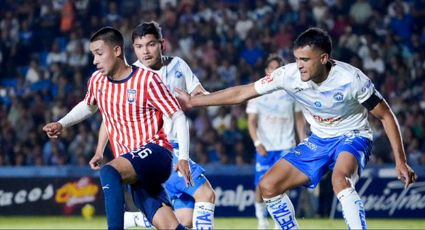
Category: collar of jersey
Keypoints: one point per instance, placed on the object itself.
(133, 69)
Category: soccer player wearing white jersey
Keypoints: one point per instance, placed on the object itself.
(132, 102)
(336, 99)
(194, 205)
(276, 111)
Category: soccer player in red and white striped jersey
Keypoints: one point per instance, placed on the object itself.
(132, 108)
(132, 102)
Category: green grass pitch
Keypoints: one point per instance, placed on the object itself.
(220, 223)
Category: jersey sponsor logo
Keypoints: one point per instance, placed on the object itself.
(328, 121)
(131, 95)
(267, 79)
(338, 96)
(318, 104)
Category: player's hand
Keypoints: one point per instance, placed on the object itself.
(96, 161)
(184, 99)
(184, 169)
(406, 174)
(53, 129)
(261, 150)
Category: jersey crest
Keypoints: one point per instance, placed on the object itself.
(131, 95)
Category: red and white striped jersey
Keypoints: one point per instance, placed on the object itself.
(132, 108)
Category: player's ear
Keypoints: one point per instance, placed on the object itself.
(161, 42)
(118, 51)
(324, 58)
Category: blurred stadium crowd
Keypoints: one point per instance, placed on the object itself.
(45, 63)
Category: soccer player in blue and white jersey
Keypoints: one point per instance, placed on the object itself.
(336, 99)
(193, 205)
(278, 112)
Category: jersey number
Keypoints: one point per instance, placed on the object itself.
(143, 153)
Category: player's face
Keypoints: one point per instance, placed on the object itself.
(104, 56)
(311, 63)
(148, 50)
(272, 66)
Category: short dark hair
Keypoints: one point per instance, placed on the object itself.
(109, 35)
(145, 28)
(276, 58)
(315, 37)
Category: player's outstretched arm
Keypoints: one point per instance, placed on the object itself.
(199, 90)
(100, 148)
(229, 96)
(79, 113)
(383, 112)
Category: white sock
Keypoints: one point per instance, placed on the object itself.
(281, 209)
(352, 209)
(260, 213)
(135, 219)
(203, 215)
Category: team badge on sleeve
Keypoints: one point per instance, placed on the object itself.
(267, 79)
(131, 95)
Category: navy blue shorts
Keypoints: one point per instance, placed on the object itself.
(153, 165)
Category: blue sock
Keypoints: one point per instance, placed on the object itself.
(114, 196)
(181, 227)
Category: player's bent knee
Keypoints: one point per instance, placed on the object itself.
(185, 221)
(184, 216)
(205, 193)
(124, 167)
(210, 195)
(340, 182)
(267, 188)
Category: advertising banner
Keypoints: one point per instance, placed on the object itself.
(49, 196)
(387, 198)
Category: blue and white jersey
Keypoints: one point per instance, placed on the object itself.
(176, 73)
(333, 107)
(275, 125)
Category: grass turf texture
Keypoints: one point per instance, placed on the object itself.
(220, 223)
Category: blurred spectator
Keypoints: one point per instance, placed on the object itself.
(56, 55)
(374, 61)
(222, 121)
(34, 72)
(243, 25)
(401, 23)
(360, 12)
(53, 151)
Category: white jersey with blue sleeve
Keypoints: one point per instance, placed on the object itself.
(275, 125)
(175, 73)
(333, 107)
